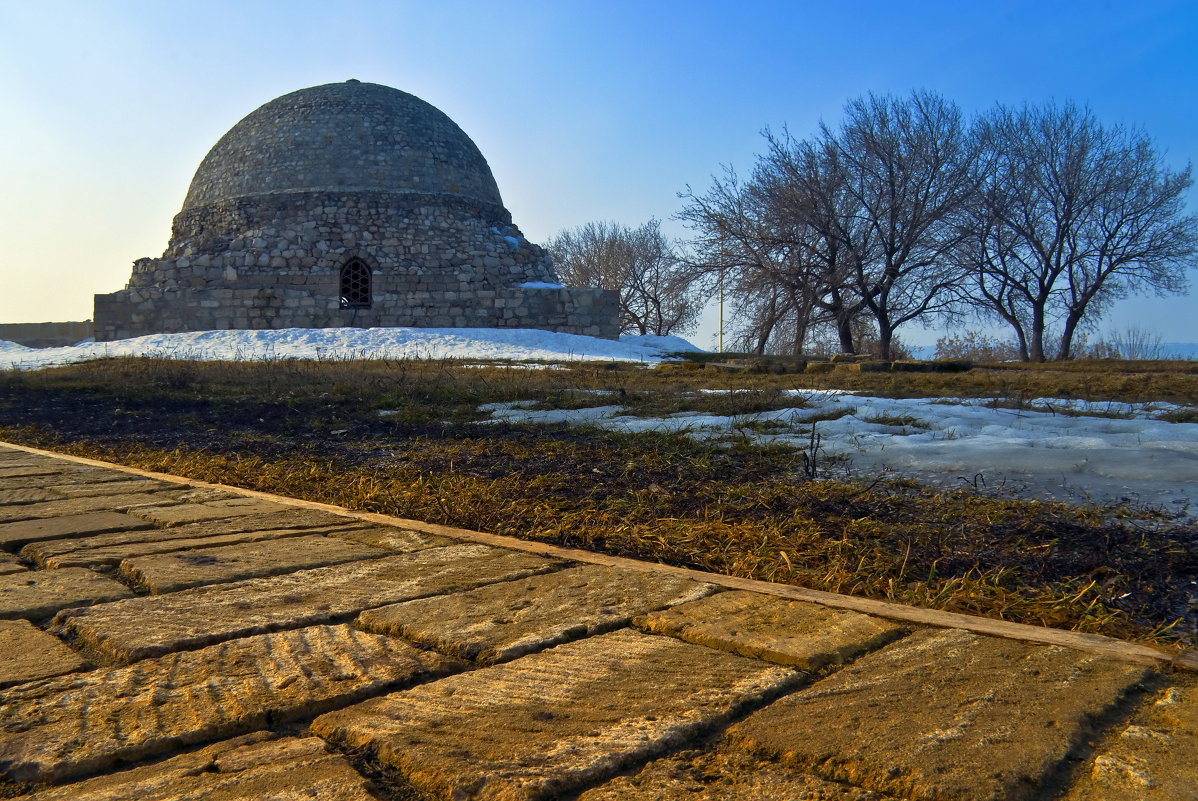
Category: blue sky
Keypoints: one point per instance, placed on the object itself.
(585, 110)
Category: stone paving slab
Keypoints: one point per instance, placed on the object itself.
(10, 564)
(111, 548)
(80, 476)
(137, 628)
(15, 535)
(116, 487)
(723, 775)
(17, 497)
(805, 635)
(1152, 757)
(166, 542)
(77, 506)
(391, 538)
(28, 653)
(29, 471)
(556, 720)
(37, 594)
(176, 515)
(170, 572)
(57, 729)
(253, 767)
(502, 621)
(946, 715)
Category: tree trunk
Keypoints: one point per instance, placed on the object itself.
(1065, 352)
(1036, 353)
(885, 337)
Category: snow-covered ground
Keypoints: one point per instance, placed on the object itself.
(356, 343)
(1061, 449)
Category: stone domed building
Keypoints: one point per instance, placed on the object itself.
(348, 204)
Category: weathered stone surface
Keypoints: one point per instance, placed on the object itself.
(116, 487)
(15, 535)
(779, 630)
(10, 564)
(36, 594)
(110, 549)
(74, 477)
(14, 497)
(150, 626)
(499, 622)
(1153, 757)
(943, 715)
(547, 723)
(78, 506)
(31, 471)
(210, 510)
(723, 775)
(254, 767)
(391, 538)
(60, 728)
(28, 653)
(170, 572)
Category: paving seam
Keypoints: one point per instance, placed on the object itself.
(1090, 643)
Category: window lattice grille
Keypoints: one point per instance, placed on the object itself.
(355, 286)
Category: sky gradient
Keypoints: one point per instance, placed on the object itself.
(584, 110)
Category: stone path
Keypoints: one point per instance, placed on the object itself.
(161, 641)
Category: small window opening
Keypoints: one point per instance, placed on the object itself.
(355, 286)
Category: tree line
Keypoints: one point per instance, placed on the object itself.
(1036, 217)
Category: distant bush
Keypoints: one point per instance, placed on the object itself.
(976, 347)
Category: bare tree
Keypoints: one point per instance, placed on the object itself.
(742, 243)
(806, 197)
(641, 264)
(1072, 216)
(908, 169)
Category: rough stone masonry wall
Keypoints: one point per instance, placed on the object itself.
(274, 261)
(46, 335)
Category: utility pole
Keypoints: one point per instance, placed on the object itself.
(721, 345)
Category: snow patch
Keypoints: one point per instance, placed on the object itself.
(511, 344)
(950, 441)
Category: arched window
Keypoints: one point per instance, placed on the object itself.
(355, 285)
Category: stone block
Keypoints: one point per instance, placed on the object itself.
(61, 728)
(211, 510)
(116, 487)
(551, 722)
(391, 538)
(170, 572)
(14, 535)
(249, 768)
(37, 594)
(27, 653)
(944, 715)
(17, 497)
(723, 775)
(10, 564)
(78, 506)
(502, 621)
(1153, 756)
(805, 635)
(112, 549)
(150, 626)
(35, 471)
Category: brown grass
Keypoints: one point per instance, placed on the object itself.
(311, 430)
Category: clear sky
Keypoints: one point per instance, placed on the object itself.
(603, 109)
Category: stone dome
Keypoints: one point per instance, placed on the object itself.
(344, 137)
